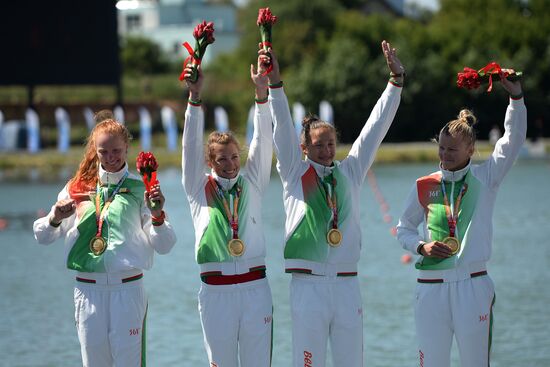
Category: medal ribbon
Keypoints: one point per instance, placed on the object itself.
(101, 214)
(452, 211)
(330, 189)
(233, 219)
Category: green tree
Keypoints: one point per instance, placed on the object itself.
(330, 50)
(140, 56)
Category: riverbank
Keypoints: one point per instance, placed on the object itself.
(49, 164)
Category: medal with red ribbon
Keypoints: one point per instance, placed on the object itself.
(451, 211)
(334, 235)
(98, 244)
(235, 246)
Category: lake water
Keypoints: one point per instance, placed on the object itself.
(36, 291)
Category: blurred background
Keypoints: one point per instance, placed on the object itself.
(64, 60)
(128, 53)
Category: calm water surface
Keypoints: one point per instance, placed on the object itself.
(36, 291)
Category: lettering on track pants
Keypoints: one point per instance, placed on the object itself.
(110, 321)
(464, 309)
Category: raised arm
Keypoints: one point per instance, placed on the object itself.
(192, 160)
(364, 148)
(287, 146)
(508, 146)
(258, 164)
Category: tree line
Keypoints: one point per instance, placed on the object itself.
(330, 50)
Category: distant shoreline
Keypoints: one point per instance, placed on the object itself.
(52, 165)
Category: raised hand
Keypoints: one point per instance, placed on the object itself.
(194, 88)
(514, 88)
(257, 73)
(394, 64)
(274, 75)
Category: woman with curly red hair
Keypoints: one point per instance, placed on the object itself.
(111, 233)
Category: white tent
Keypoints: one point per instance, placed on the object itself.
(298, 114)
(63, 123)
(326, 113)
(33, 130)
(169, 123)
(145, 128)
(221, 120)
(89, 117)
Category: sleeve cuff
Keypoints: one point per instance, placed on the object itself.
(276, 93)
(263, 108)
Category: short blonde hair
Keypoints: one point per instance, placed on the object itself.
(463, 127)
(217, 137)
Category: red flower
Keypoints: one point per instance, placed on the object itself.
(146, 163)
(468, 79)
(206, 31)
(265, 21)
(265, 17)
(204, 35)
(472, 79)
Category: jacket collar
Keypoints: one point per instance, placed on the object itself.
(454, 175)
(322, 171)
(226, 183)
(111, 178)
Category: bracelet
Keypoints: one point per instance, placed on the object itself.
(419, 248)
(194, 103)
(275, 85)
(517, 96)
(261, 101)
(157, 221)
(53, 224)
(395, 82)
(393, 75)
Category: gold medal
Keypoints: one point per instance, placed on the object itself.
(98, 245)
(334, 237)
(453, 243)
(235, 247)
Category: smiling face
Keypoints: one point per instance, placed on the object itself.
(111, 151)
(225, 159)
(322, 148)
(454, 152)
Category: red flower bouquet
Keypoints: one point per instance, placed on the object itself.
(265, 21)
(147, 165)
(204, 35)
(472, 79)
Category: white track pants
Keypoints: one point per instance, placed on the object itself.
(462, 308)
(237, 323)
(110, 320)
(326, 308)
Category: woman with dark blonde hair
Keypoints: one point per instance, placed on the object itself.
(322, 232)
(235, 302)
(454, 294)
(111, 233)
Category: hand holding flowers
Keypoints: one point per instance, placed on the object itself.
(472, 79)
(147, 166)
(204, 35)
(265, 21)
